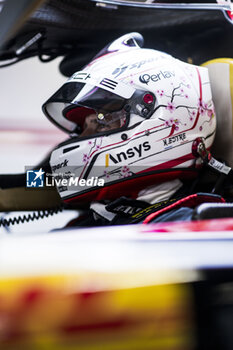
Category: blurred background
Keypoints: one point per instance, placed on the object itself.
(26, 135)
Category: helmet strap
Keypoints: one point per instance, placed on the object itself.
(199, 150)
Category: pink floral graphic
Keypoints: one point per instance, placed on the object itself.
(125, 171)
(200, 103)
(202, 111)
(106, 174)
(210, 113)
(86, 158)
(193, 113)
(92, 147)
(172, 122)
(171, 107)
(160, 93)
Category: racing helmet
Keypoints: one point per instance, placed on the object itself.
(133, 115)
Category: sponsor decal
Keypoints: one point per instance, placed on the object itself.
(60, 165)
(132, 152)
(174, 139)
(81, 76)
(124, 67)
(146, 78)
(35, 178)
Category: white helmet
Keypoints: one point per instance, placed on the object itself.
(134, 115)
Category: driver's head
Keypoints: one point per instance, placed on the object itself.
(94, 125)
(136, 114)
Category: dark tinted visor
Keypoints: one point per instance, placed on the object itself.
(74, 101)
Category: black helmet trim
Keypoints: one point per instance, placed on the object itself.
(107, 83)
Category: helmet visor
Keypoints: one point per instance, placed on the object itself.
(76, 101)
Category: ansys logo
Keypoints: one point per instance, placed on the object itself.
(35, 178)
(136, 151)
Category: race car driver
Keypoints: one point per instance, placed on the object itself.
(141, 121)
